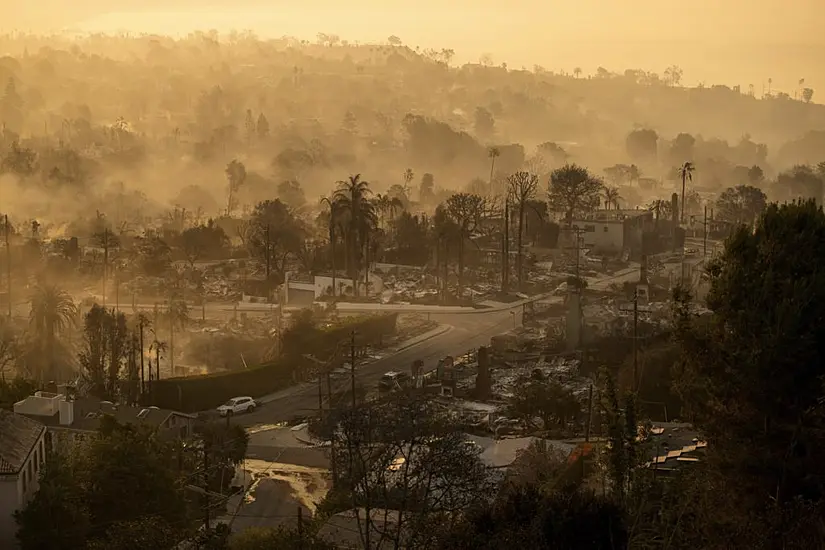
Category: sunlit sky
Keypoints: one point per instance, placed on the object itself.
(719, 41)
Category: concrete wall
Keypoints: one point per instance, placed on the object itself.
(602, 236)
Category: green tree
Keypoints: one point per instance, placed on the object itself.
(81, 502)
(262, 127)
(9, 346)
(404, 454)
(204, 242)
(611, 197)
(20, 161)
(426, 190)
(236, 177)
(807, 94)
(291, 193)
(526, 517)
(573, 190)
(549, 400)
(268, 538)
(153, 255)
(52, 312)
(105, 349)
(276, 234)
(226, 445)
(741, 204)
(57, 518)
(353, 202)
(751, 373)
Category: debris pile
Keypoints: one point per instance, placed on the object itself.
(563, 370)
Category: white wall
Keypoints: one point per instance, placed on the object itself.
(602, 236)
(16, 492)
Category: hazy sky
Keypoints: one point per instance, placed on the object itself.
(729, 41)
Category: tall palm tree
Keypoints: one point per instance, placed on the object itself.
(493, 153)
(352, 202)
(408, 177)
(332, 224)
(577, 72)
(52, 312)
(686, 173)
(611, 197)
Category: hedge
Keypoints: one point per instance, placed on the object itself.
(200, 393)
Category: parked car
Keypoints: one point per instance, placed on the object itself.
(392, 381)
(237, 405)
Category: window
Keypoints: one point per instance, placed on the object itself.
(605, 229)
(590, 228)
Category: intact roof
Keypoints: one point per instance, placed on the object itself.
(18, 436)
(124, 414)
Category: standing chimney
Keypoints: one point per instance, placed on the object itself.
(674, 203)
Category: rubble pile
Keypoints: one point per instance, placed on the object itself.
(563, 370)
(407, 284)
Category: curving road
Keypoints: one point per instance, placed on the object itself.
(465, 332)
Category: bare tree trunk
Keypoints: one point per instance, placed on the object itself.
(460, 267)
(332, 244)
(519, 258)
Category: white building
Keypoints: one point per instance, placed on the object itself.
(612, 231)
(22, 454)
(305, 289)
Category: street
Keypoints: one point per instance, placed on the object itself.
(466, 332)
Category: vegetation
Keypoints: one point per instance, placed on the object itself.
(182, 165)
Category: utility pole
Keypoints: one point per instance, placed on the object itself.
(8, 261)
(105, 260)
(505, 273)
(206, 484)
(320, 396)
(268, 255)
(705, 236)
(142, 353)
(352, 366)
(635, 340)
(589, 414)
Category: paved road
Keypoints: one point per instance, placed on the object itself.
(467, 332)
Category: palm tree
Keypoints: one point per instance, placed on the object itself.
(408, 177)
(352, 199)
(333, 238)
(236, 176)
(686, 173)
(611, 197)
(521, 187)
(633, 174)
(177, 314)
(52, 312)
(493, 153)
(577, 72)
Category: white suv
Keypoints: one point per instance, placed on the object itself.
(237, 405)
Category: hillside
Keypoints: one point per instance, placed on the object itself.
(333, 108)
